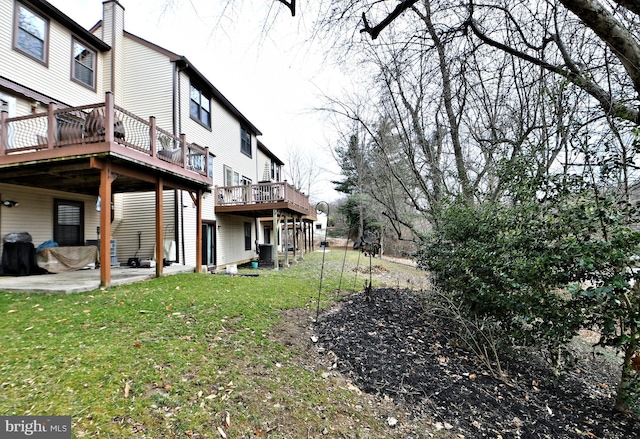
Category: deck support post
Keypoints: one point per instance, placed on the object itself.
(197, 200)
(51, 125)
(106, 179)
(274, 239)
(285, 241)
(159, 227)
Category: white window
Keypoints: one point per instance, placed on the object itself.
(231, 177)
(8, 104)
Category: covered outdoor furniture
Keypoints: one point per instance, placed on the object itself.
(61, 259)
(19, 259)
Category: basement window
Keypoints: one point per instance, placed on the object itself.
(247, 236)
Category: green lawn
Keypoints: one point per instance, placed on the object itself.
(179, 356)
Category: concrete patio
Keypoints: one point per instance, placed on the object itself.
(82, 280)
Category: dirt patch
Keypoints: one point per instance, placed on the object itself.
(365, 413)
(417, 377)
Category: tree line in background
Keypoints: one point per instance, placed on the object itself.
(499, 139)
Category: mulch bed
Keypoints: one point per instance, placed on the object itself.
(389, 347)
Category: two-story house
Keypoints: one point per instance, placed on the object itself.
(106, 136)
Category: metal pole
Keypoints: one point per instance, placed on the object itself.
(324, 249)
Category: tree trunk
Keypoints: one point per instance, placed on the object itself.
(627, 382)
(621, 41)
(454, 132)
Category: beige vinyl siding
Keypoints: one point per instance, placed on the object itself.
(148, 84)
(230, 243)
(53, 80)
(195, 132)
(227, 130)
(34, 215)
(223, 139)
(111, 32)
(119, 91)
(264, 167)
(105, 68)
(209, 207)
(189, 232)
(139, 215)
(147, 91)
(24, 106)
(189, 215)
(187, 211)
(16, 105)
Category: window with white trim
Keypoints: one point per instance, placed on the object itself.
(8, 104)
(231, 177)
(31, 33)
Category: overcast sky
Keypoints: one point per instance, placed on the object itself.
(257, 59)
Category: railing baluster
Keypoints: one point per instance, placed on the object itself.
(4, 135)
(206, 161)
(51, 125)
(183, 146)
(152, 135)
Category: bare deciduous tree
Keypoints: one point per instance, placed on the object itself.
(303, 170)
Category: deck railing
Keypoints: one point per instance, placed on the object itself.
(103, 122)
(261, 193)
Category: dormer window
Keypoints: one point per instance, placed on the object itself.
(83, 66)
(31, 34)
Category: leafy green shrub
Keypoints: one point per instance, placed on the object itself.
(543, 268)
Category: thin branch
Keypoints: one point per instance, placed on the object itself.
(616, 109)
